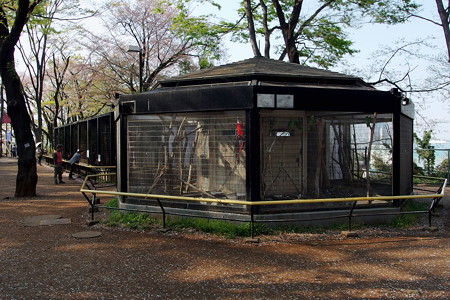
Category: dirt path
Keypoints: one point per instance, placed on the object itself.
(46, 262)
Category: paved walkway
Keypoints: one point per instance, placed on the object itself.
(50, 262)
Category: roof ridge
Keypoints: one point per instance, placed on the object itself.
(259, 66)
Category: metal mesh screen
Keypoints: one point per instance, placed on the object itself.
(320, 154)
(105, 138)
(95, 136)
(282, 156)
(92, 151)
(194, 154)
(83, 136)
(67, 141)
(59, 136)
(74, 131)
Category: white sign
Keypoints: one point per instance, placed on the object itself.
(266, 100)
(285, 101)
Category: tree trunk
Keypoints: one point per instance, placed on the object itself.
(287, 28)
(26, 180)
(267, 32)
(444, 16)
(251, 28)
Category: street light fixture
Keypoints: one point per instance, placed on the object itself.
(141, 63)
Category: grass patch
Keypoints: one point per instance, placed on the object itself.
(135, 220)
(112, 203)
(229, 229)
(131, 220)
(408, 220)
(218, 227)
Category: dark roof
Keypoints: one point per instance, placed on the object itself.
(266, 70)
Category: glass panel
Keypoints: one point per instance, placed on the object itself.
(349, 154)
(325, 154)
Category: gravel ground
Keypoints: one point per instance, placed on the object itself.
(47, 262)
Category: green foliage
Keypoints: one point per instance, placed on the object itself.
(218, 227)
(418, 170)
(113, 203)
(426, 151)
(442, 168)
(185, 66)
(380, 165)
(204, 63)
(325, 37)
(319, 33)
(143, 221)
(387, 11)
(408, 220)
(127, 219)
(198, 32)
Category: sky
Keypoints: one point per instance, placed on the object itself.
(432, 110)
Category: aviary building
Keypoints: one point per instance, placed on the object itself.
(262, 129)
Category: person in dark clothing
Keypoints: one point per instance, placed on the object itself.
(74, 160)
(39, 153)
(13, 150)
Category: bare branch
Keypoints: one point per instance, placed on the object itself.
(426, 19)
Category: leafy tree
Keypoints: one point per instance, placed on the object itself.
(41, 38)
(443, 168)
(418, 170)
(88, 90)
(165, 33)
(55, 94)
(426, 151)
(14, 15)
(315, 34)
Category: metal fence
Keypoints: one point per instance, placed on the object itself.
(90, 187)
(95, 135)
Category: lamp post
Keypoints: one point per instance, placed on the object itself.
(141, 63)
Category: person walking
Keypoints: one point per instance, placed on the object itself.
(13, 150)
(57, 162)
(74, 160)
(39, 153)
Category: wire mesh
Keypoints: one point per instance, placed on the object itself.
(326, 154)
(187, 154)
(91, 150)
(95, 136)
(105, 154)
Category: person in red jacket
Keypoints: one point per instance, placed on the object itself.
(58, 164)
